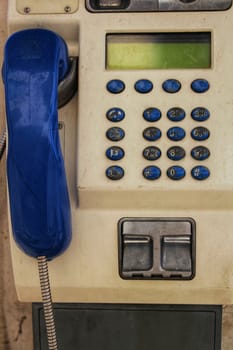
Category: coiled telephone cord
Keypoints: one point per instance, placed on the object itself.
(2, 143)
(47, 302)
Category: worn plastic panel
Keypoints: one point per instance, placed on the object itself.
(89, 268)
(44, 6)
(34, 62)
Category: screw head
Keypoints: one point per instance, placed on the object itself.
(27, 10)
(67, 9)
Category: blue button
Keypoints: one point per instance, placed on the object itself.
(115, 86)
(176, 134)
(200, 114)
(200, 85)
(176, 173)
(152, 173)
(152, 153)
(152, 134)
(171, 86)
(200, 153)
(176, 153)
(115, 114)
(143, 86)
(152, 114)
(115, 172)
(115, 153)
(200, 173)
(176, 114)
(115, 134)
(200, 133)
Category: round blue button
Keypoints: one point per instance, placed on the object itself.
(115, 172)
(152, 173)
(200, 133)
(152, 153)
(115, 114)
(200, 173)
(115, 86)
(176, 153)
(115, 153)
(172, 86)
(176, 134)
(176, 114)
(200, 153)
(152, 114)
(200, 114)
(152, 134)
(143, 86)
(176, 173)
(200, 85)
(115, 134)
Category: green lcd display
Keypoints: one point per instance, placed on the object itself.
(158, 51)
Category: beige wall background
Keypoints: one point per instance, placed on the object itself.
(15, 317)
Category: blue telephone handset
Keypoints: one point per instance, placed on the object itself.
(35, 61)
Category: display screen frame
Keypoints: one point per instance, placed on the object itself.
(198, 45)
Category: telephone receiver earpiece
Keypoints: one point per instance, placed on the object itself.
(35, 61)
(68, 86)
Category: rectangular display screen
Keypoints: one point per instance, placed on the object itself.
(158, 51)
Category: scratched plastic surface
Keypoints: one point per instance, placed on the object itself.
(34, 62)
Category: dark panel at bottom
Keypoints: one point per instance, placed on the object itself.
(131, 327)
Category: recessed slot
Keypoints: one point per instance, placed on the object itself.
(157, 276)
(176, 276)
(137, 253)
(176, 253)
(137, 275)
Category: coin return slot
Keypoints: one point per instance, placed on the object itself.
(176, 253)
(157, 248)
(138, 253)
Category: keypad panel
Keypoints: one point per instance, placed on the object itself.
(154, 131)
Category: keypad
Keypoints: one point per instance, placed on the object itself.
(115, 153)
(200, 173)
(176, 114)
(176, 134)
(176, 173)
(200, 86)
(115, 86)
(143, 86)
(152, 114)
(171, 86)
(200, 153)
(152, 173)
(200, 114)
(115, 134)
(200, 133)
(174, 153)
(152, 153)
(115, 172)
(152, 134)
(115, 114)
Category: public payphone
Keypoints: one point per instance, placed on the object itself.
(147, 145)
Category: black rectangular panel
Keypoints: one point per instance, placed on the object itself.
(131, 327)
